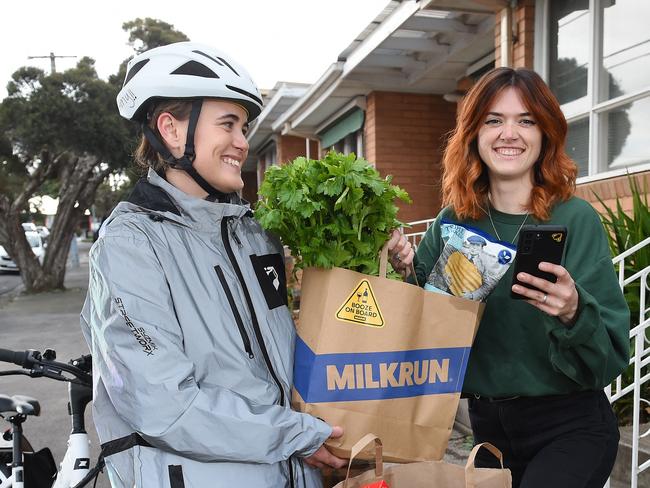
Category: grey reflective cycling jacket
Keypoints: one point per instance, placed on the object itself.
(192, 346)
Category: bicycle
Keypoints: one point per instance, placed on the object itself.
(39, 469)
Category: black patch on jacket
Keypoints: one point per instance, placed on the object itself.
(272, 277)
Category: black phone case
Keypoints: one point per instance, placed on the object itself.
(538, 243)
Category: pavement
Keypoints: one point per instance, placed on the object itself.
(40, 321)
(51, 320)
(9, 281)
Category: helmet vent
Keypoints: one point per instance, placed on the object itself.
(194, 68)
(132, 72)
(231, 68)
(244, 92)
(207, 56)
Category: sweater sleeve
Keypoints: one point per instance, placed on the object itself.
(596, 348)
(427, 252)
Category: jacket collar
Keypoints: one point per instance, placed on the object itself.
(161, 198)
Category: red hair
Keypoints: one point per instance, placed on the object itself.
(465, 178)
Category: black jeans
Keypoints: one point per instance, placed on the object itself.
(564, 441)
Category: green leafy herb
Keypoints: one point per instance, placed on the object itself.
(335, 211)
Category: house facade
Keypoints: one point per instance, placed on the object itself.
(391, 96)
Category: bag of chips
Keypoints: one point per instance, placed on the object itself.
(471, 262)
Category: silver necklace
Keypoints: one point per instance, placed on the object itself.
(495, 229)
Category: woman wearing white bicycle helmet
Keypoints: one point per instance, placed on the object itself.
(186, 313)
(179, 82)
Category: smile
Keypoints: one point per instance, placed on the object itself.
(509, 151)
(232, 162)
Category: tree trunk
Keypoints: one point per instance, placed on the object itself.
(80, 180)
(19, 249)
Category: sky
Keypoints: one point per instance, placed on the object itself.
(281, 40)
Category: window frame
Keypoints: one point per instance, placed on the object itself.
(267, 157)
(597, 144)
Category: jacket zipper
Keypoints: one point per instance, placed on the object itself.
(249, 302)
(235, 312)
(256, 326)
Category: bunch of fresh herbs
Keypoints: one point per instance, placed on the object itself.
(335, 211)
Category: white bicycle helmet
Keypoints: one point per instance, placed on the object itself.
(185, 70)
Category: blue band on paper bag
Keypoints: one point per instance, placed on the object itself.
(378, 375)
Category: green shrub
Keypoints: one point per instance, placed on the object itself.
(624, 231)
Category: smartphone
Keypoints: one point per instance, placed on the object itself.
(538, 243)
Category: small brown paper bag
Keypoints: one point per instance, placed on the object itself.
(428, 474)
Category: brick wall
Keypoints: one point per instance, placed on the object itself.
(608, 190)
(290, 147)
(524, 32)
(404, 136)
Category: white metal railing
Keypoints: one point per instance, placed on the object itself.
(641, 343)
(416, 230)
(640, 356)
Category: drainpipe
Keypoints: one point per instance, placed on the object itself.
(507, 43)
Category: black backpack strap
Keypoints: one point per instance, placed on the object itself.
(122, 444)
(108, 449)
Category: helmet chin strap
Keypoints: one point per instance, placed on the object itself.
(186, 161)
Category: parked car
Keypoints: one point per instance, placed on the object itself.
(31, 226)
(36, 243)
(44, 232)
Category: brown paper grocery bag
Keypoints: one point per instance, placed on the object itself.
(383, 356)
(430, 473)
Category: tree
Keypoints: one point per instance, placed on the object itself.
(110, 193)
(61, 134)
(60, 130)
(145, 34)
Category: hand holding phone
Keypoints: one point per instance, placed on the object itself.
(538, 243)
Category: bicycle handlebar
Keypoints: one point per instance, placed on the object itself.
(7, 356)
(36, 364)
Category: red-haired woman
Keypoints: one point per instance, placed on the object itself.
(538, 366)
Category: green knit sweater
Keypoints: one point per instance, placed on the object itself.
(520, 350)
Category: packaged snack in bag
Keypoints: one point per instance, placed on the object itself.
(471, 262)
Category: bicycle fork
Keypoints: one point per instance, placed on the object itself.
(76, 462)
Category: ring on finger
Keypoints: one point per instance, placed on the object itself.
(398, 258)
(545, 298)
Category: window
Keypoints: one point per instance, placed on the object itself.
(269, 156)
(346, 134)
(597, 62)
(352, 143)
(577, 144)
(569, 51)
